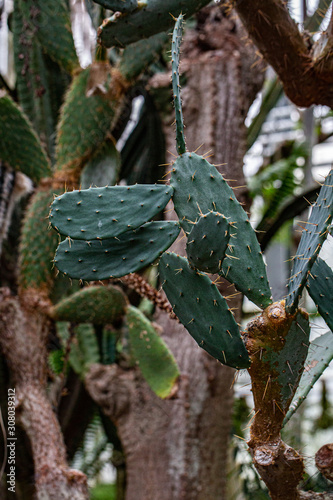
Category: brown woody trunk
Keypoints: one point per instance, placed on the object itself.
(177, 449)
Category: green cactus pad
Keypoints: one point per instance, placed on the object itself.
(289, 361)
(119, 5)
(50, 22)
(19, 145)
(203, 311)
(320, 288)
(103, 168)
(319, 357)
(116, 257)
(23, 43)
(198, 189)
(38, 243)
(94, 304)
(84, 346)
(155, 360)
(37, 85)
(136, 58)
(99, 213)
(157, 16)
(208, 242)
(86, 117)
(312, 239)
(175, 50)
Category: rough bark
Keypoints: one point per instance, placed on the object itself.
(177, 449)
(23, 342)
(305, 69)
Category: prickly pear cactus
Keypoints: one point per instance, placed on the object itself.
(151, 17)
(208, 241)
(107, 212)
(313, 237)
(111, 239)
(116, 257)
(203, 311)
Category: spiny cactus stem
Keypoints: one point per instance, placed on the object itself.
(176, 41)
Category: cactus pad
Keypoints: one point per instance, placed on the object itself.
(198, 189)
(175, 50)
(319, 357)
(103, 168)
(320, 288)
(119, 5)
(94, 304)
(38, 243)
(50, 21)
(20, 146)
(98, 213)
(208, 242)
(312, 239)
(116, 257)
(136, 58)
(155, 360)
(91, 105)
(203, 311)
(121, 30)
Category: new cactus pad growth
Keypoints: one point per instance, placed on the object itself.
(208, 241)
(175, 52)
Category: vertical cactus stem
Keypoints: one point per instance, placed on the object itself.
(278, 344)
(176, 41)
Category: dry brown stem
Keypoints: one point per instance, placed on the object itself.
(306, 74)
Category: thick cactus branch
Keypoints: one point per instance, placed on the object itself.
(23, 341)
(277, 36)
